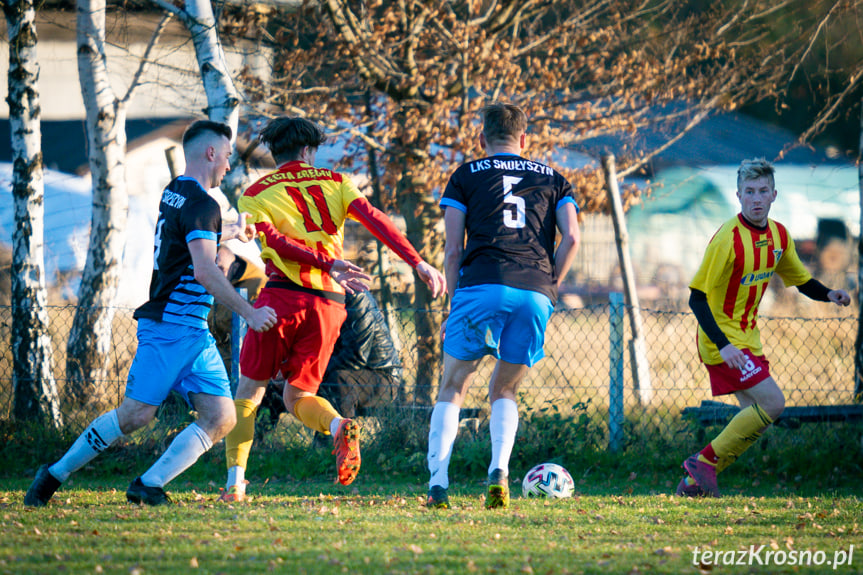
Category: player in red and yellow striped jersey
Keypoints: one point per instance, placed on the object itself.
(725, 293)
(299, 211)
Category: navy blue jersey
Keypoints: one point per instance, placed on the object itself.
(509, 205)
(186, 213)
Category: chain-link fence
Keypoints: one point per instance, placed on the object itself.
(811, 359)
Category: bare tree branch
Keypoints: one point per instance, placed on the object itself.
(145, 59)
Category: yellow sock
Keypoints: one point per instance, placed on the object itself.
(740, 433)
(315, 413)
(238, 442)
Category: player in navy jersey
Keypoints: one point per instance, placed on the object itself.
(502, 284)
(175, 348)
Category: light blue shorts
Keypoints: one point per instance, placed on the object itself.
(506, 322)
(175, 357)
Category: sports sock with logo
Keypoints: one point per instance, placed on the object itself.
(442, 432)
(315, 412)
(239, 440)
(101, 433)
(185, 450)
(740, 433)
(503, 424)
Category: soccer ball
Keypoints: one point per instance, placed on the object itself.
(547, 480)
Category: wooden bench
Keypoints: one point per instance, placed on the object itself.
(464, 412)
(716, 412)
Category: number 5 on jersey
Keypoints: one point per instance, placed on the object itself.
(513, 218)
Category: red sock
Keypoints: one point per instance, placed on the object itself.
(709, 455)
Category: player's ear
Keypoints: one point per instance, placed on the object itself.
(522, 140)
(482, 141)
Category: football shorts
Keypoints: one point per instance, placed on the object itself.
(492, 319)
(725, 379)
(175, 357)
(301, 343)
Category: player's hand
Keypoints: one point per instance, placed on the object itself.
(239, 230)
(246, 231)
(350, 276)
(262, 318)
(839, 297)
(733, 357)
(432, 278)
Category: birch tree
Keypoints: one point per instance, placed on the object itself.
(90, 336)
(36, 396)
(223, 100)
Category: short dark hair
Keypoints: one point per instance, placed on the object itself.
(503, 122)
(200, 127)
(285, 137)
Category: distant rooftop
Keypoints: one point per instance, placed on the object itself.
(719, 140)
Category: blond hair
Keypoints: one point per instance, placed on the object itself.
(754, 169)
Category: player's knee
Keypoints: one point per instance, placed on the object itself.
(218, 423)
(132, 416)
(774, 406)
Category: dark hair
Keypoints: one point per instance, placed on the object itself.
(201, 127)
(285, 137)
(503, 122)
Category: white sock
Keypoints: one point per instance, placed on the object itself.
(502, 426)
(334, 426)
(99, 435)
(442, 432)
(185, 450)
(236, 476)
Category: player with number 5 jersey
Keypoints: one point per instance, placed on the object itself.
(299, 211)
(503, 284)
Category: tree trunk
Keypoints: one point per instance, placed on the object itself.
(90, 337)
(36, 396)
(223, 101)
(421, 214)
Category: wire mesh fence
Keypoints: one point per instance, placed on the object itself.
(812, 359)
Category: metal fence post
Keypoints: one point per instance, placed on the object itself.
(238, 330)
(615, 385)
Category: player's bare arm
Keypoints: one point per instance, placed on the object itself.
(454, 228)
(567, 224)
(208, 274)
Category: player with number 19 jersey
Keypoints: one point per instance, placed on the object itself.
(186, 213)
(509, 204)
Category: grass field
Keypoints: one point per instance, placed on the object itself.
(796, 491)
(612, 525)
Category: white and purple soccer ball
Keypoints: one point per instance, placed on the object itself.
(548, 480)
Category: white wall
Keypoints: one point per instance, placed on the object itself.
(171, 87)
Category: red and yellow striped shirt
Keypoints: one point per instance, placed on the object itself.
(737, 266)
(307, 204)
